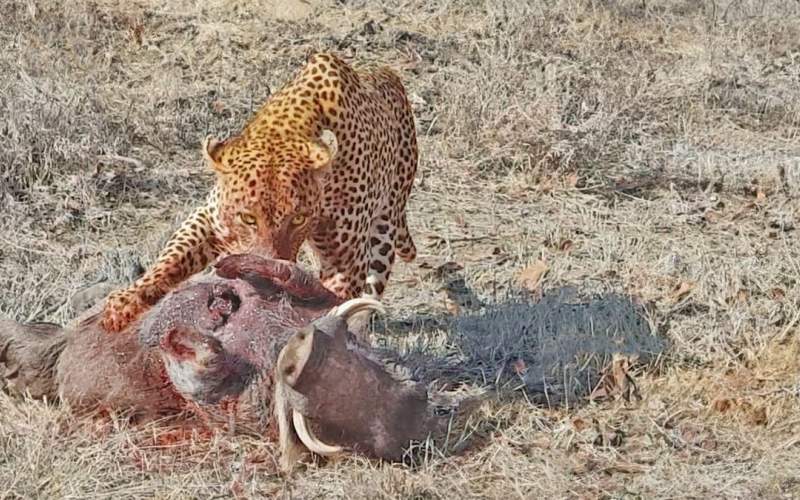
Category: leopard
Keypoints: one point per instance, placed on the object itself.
(328, 160)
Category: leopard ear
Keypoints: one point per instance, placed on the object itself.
(212, 149)
(323, 150)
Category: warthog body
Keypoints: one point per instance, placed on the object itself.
(214, 343)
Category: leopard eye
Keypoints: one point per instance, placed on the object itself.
(247, 218)
(298, 220)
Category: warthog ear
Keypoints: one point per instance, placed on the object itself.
(294, 355)
(323, 150)
(212, 152)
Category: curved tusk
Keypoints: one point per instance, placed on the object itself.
(354, 306)
(309, 439)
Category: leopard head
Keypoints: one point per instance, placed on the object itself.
(269, 190)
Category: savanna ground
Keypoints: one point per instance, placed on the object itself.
(642, 147)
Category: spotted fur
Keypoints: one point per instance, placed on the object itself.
(330, 159)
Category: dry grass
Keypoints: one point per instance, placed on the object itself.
(641, 147)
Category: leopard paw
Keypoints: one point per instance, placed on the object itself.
(121, 308)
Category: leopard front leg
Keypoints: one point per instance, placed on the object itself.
(366, 272)
(345, 283)
(190, 250)
(121, 308)
(381, 256)
(359, 266)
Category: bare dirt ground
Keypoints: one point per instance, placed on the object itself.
(647, 148)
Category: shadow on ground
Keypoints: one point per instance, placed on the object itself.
(553, 351)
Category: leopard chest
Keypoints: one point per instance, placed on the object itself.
(360, 175)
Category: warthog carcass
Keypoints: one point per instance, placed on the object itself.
(260, 344)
